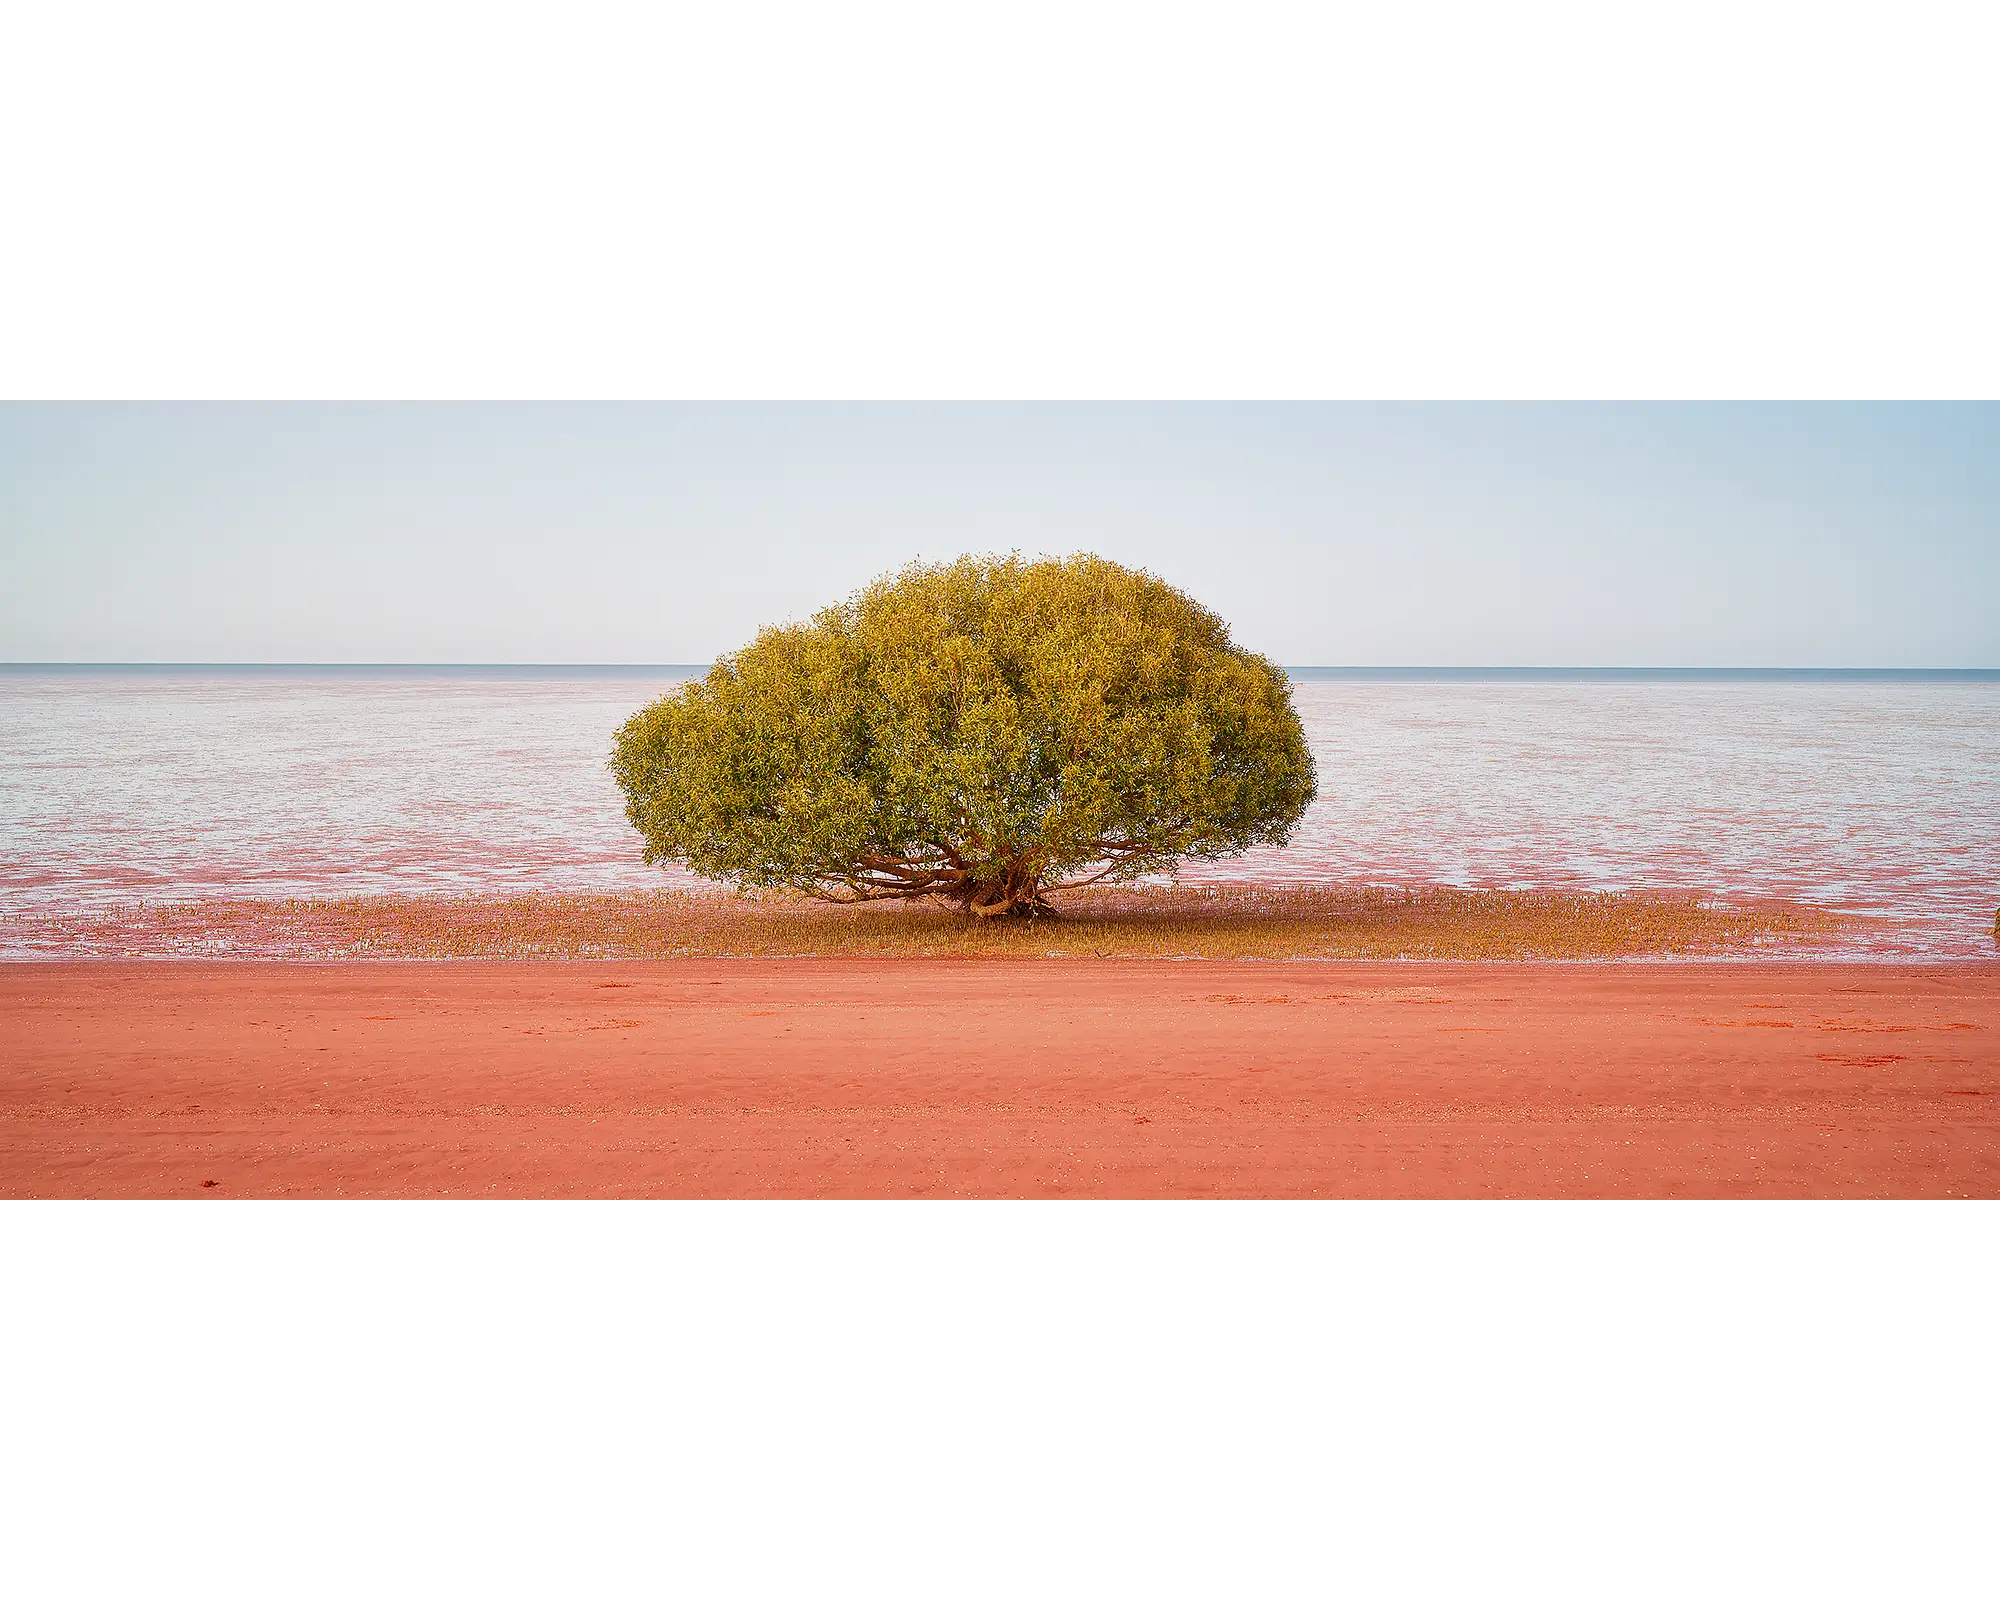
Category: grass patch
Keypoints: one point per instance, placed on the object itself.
(1215, 922)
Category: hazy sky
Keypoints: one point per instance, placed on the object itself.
(1328, 535)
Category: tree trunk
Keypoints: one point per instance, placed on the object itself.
(1013, 896)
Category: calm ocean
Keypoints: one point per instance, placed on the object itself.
(1877, 794)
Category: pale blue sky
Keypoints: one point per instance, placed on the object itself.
(1328, 535)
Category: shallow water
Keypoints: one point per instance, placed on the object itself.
(1875, 797)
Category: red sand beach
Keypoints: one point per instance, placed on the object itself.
(997, 1078)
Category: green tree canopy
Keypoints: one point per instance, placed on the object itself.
(983, 731)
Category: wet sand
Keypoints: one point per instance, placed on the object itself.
(997, 1078)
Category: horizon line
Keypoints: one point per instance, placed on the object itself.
(702, 666)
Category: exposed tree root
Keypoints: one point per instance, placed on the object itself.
(992, 900)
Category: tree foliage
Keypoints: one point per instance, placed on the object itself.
(984, 731)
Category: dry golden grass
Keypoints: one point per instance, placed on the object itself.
(1264, 922)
